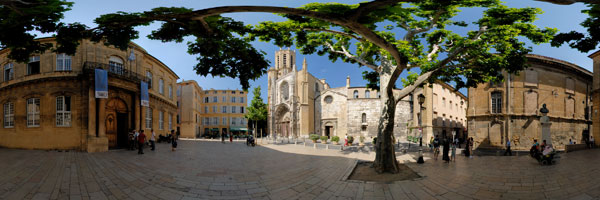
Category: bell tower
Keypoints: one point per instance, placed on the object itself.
(284, 61)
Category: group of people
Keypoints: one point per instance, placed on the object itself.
(138, 139)
(223, 135)
(449, 146)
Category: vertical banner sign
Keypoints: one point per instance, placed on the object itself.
(144, 100)
(101, 84)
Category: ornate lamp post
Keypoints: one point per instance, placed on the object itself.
(421, 99)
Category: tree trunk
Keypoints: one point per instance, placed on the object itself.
(385, 159)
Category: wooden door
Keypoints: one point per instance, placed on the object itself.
(111, 129)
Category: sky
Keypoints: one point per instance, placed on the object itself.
(174, 55)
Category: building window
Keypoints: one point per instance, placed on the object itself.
(443, 102)
(215, 99)
(233, 110)
(241, 99)
(161, 120)
(214, 92)
(569, 86)
(224, 99)
(241, 109)
(206, 100)
(450, 105)
(224, 109)
(9, 115)
(33, 112)
(115, 65)
(232, 99)
(356, 94)
(496, 102)
(170, 121)
(285, 90)
(170, 92)
(178, 120)
(149, 77)
(364, 118)
(214, 109)
(531, 78)
(216, 121)
(224, 122)
(161, 85)
(9, 73)
(63, 62)
(205, 92)
(148, 118)
(63, 111)
(367, 94)
(206, 122)
(33, 67)
(179, 91)
(328, 99)
(233, 120)
(205, 109)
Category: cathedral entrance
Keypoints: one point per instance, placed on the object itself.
(328, 130)
(117, 118)
(282, 121)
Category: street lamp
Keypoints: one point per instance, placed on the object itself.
(421, 99)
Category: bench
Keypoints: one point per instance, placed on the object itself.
(575, 147)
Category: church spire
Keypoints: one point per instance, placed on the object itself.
(304, 64)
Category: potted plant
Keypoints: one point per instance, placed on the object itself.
(350, 140)
(335, 140)
(324, 139)
(361, 141)
(314, 137)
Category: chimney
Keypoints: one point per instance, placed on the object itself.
(348, 81)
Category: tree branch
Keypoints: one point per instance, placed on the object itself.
(407, 90)
(569, 2)
(337, 32)
(412, 32)
(349, 55)
(367, 7)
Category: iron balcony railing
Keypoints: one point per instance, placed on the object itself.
(118, 71)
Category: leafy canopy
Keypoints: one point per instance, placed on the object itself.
(257, 111)
(581, 41)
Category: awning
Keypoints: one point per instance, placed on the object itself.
(239, 129)
(214, 129)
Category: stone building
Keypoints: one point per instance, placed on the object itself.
(300, 104)
(49, 102)
(510, 110)
(189, 109)
(443, 112)
(223, 112)
(596, 96)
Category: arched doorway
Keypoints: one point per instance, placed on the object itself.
(282, 121)
(117, 123)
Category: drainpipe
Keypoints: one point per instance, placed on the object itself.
(508, 113)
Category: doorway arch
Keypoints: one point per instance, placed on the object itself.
(117, 123)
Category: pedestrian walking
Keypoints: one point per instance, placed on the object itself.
(230, 137)
(436, 147)
(453, 153)
(152, 140)
(131, 140)
(222, 137)
(346, 140)
(446, 150)
(135, 138)
(508, 149)
(431, 144)
(467, 151)
(471, 148)
(173, 140)
(141, 140)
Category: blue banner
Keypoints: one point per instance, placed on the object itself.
(101, 84)
(144, 99)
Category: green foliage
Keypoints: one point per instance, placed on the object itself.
(19, 18)
(335, 139)
(324, 138)
(581, 41)
(350, 139)
(374, 140)
(257, 111)
(314, 137)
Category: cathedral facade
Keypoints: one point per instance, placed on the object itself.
(301, 104)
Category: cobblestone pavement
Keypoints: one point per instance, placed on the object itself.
(211, 170)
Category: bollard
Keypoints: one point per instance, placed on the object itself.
(304, 143)
(326, 147)
(314, 145)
